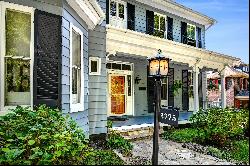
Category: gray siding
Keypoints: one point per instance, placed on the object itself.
(51, 6)
(98, 83)
(81, 117)
(140, 21)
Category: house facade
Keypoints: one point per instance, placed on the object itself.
(89, 58)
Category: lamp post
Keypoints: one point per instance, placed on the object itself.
(158, 68)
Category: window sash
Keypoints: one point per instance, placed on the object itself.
(22, 95)
(98, 65)
(191, 31)
(159, 25)
(76, 70)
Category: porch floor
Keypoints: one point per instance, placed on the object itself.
(148, 120)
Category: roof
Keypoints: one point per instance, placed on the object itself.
(229, 72)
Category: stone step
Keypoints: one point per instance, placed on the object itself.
(136, 131)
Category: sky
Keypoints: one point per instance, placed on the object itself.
(230, 35)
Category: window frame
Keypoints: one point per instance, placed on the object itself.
(159, 29)
(99, 65)
(3, 7)
(78, 106)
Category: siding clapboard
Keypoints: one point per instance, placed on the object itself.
(81, 117)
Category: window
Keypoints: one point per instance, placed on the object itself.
(119, 66)
(113, 9)
(191, 35)
(16, 56)
(118, 13)
(95, 66)
(190, 31)
(159, 25)
(76, 70)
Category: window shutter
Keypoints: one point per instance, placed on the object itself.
(47, 59)
(107, 11)
(151, 92)
(199, 37)
(131, 16)
(150, 22)
(170, 83)
(170, 28)
(184, 32)
(185, 96)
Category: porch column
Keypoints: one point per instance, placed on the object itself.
(204, 89)
(223, 90)
(195, 88)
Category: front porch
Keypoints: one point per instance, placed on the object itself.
(135, 121)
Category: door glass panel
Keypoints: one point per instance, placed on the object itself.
(17, 63)
(117, 94)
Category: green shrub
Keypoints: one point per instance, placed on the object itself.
(109, 124)
(41, 136)
(102, 157)
(184, 135)
(220, 124)
(116, 141)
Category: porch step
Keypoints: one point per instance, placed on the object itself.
(135, 131)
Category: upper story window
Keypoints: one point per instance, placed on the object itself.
(117, 13)
(159, 25)
(16, 56)
(191, 31)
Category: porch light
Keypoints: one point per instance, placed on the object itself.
(158, 68)
(158, 65)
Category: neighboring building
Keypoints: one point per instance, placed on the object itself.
(237, 89)
(243, 67)
(43, 65)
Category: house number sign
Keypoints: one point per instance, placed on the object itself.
(169, 116)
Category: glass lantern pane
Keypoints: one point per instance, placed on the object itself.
(154, 67)
(164, 67)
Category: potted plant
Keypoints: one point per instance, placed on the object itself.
(176, 86)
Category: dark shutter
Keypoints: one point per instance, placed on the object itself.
(170, 28)
(150, 22)
(185, 96)
(47, 59)
(170, 83)
(199, 37)
(131, 16)
(184, 32)
(107, 11)
(150, 92)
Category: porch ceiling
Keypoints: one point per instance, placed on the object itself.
(142, 45)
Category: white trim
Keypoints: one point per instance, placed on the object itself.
(89, 11)
(99, 64)
(79, 106)
(4, 6)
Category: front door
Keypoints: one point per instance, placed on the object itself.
(117, 89)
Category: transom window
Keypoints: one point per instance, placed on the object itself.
(191, 31)
(76, 69)
(119, 66)
(159, 25)
(16, 56)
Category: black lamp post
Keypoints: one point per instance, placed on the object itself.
(158, 68)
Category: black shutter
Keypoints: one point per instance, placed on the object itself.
(151, 92)
(107, 11)
(150, 22)
(170, 83)
(199, 37)
(47, 59)
(170, 28)
(185, 96)
(184, 32)
(131, 16)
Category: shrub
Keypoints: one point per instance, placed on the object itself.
(116, 141)
(109, 123)
(220, 124)
(41, 136)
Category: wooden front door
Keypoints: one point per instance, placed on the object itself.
(117, 94)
